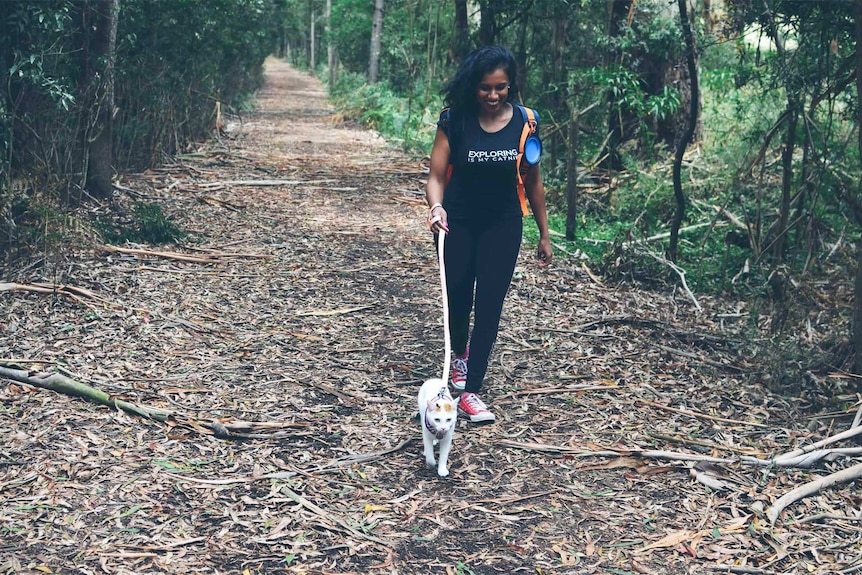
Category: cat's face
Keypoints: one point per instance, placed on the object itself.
(440, 416)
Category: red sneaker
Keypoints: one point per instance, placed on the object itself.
(474, 409)
(458, 377)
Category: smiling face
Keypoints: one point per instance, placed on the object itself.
(492, 91)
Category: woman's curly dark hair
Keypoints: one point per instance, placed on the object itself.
(460, 93)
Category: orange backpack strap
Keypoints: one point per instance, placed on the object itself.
(531, 125)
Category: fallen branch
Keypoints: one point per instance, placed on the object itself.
(696, 357)
(331, 466)
(349, 460)
(158, 254)
(331, 312)
(701, 415)
(720, 210)
(265, 183)
(223, 430)
(812, 487)
(207, 258)
(579, 452)
(679, 272)
(807, 460)
(68, 386)
(793, 455)
(218, 203)
(72, 292)
(556, 390)
(708, 444)
(232, 481)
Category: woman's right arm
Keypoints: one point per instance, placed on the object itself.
(437, 217)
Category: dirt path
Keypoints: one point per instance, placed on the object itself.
(317, 318)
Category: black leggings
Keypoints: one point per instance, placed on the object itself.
(480, 258)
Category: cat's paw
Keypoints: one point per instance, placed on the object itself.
(431, 463)
(443, 472)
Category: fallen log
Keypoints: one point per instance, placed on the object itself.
(220, 429)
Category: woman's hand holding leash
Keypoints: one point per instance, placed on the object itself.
(437, 219)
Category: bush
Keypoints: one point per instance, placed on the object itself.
(149, 226)
(404, 120)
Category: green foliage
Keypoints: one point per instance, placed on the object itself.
(462, 568)
(351, 33)
(650, 32)
(175, 60)
(149, 226)
(401, 120)
(627, 94)
(38, 88)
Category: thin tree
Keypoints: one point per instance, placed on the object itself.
(461, 41)
(312, 54)
(100, 17)
(686, 137)
(621, 13)
(856, 336)
(376, 39)
(487, 22)
(572, 167)
(431, 47)
(331, 54)
(792, 115)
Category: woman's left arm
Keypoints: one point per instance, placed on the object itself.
(535, 191)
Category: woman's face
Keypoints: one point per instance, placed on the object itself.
(493, 90)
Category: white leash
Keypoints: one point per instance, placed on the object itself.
(447, 341)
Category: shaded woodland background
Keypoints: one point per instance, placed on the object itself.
(749, 190)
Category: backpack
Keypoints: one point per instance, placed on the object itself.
(529, 148)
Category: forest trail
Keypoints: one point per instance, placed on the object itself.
(307, 304)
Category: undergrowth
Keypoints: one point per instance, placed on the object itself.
(147, 225)
(406, 121)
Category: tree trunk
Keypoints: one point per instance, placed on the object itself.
(331, 55)
(559, 73)
(786, 182)
(100, 17)
(619, 14)
(461, 41)
(572, 171)
(312, 63)
(679, 196)
(376, 39)
(521, 59)
(431, 50)
(856, 336)
(792, 114)
(487, 22)
(675, 74)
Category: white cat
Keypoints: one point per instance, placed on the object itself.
(437, 415)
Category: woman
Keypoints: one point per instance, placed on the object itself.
(480, 211)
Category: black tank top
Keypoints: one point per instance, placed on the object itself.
(484, 183)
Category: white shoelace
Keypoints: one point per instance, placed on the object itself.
(459, 365)
(475, 403)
